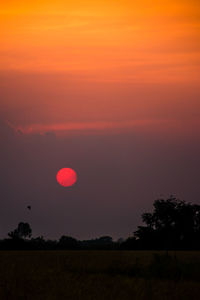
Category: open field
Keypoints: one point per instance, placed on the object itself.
(99, 275)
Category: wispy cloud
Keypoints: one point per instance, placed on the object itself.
(99, 127)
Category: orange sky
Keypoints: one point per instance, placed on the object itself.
(99, 61)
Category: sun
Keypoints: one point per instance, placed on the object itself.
(66, 177)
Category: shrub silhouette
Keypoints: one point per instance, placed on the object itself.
(23, 230)
(67, 242)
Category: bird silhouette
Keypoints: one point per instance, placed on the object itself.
(29, 207)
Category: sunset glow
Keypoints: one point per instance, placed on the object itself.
(99, 61)
(110, 88)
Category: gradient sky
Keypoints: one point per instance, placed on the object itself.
(109, 88)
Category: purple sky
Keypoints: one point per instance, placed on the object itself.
(119, 177)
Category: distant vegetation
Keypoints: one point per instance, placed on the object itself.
(173, 224)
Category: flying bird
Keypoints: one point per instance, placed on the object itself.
(29, 207)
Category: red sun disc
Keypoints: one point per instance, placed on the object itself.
(66, 177)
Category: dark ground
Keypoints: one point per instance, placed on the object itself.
(99, 275)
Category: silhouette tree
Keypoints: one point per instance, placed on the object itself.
(23, 230)
(173, 223)
(105, 240)
(67, 242)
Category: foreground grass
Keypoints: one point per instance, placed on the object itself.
(99, 275)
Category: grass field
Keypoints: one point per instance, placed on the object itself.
(99, 275)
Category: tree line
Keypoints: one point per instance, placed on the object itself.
(173, 224)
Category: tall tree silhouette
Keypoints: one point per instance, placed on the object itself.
(173, 223)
